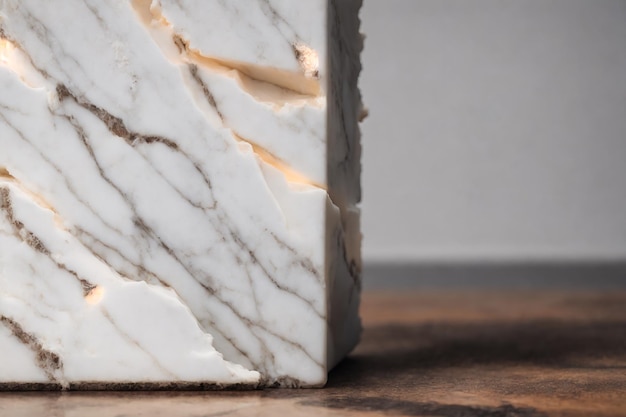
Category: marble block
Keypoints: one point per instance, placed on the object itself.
(179, 189)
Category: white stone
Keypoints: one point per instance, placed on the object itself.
(179, 189)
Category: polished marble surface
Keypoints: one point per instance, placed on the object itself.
(438, 353)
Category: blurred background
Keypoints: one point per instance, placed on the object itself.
(495, 150)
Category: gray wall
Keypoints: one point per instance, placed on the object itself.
(497, 130)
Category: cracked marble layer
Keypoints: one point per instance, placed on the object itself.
(169, 204)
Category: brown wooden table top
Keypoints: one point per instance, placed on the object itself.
(484, 354)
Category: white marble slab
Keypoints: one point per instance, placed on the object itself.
(179, 188)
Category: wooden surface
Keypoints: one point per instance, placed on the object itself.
(497, 354)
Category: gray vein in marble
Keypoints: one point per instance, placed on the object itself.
(279, 21)
(58, 169)
(193, 70)
(48, 361)
(117, 127)
(35, 242)
(133, 342)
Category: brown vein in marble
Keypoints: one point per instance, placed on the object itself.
(48, 361)
(113, 123)
(215, 330)
(249, 326)
(133, 342)
(255, 325)
(255, 261)
(297, 346)
(28, 237)
(140, 270)
(151, 277)
(60, 171)
(303, 262)
(117, 127)
(193, 70)
(244, 248)
(267, 353)
(35, 242)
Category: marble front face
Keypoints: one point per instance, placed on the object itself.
(167, 211)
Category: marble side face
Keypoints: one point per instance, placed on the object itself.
(179, 189)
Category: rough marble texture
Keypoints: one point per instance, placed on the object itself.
(179, 184)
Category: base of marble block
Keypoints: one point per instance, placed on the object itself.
(151, 386)
(130, 386)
